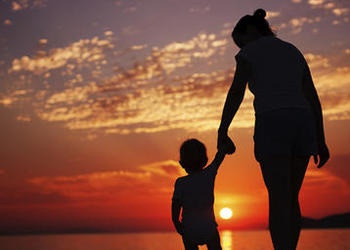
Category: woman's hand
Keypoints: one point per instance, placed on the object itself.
(225, 142)
(322, 156)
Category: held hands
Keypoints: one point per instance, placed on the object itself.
(322, 157)
(225, 144)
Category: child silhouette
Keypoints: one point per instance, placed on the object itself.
(193, 195)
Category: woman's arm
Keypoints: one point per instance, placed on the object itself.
(234, 99)
(311, 95)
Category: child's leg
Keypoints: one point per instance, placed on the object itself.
(189, 244)
(214, 242)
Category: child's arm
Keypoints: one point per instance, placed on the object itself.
(218, 159)
(227, 148)
(175, 215)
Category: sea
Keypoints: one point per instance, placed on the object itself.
(327, 239)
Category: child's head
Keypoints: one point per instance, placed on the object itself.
(193, 155)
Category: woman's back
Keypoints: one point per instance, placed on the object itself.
(277, 70)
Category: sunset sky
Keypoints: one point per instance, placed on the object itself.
(96, 97)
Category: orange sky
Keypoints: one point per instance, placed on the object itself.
(93, 110)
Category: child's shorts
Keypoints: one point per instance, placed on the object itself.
(285, 132)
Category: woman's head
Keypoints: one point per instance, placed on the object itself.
(193, 155)
(251, 27)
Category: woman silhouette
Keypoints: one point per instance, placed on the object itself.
(288, 124)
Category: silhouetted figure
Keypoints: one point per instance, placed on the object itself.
(193, 196)
(288, 125)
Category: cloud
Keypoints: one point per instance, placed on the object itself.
(100, 87)
(316, 2)
(333, 177)
(340, 11)
(127, 6)
(24, 118)
(338, 166)
(324, 180)
(83, 51)
(335, 100)
(155, 179)
(7, 22)
(315, 14)
(203, 9)
(130, 30)
(272, 14)
(317, 62)
(93, 200)
(336, 8)
(13, 97)
(134, 99)
(296, 24)
(19, 5)
(322, 188)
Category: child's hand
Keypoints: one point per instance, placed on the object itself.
(228, 147)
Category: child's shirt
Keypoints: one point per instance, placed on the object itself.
(195, 193)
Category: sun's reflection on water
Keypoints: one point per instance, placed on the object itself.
(227, 240)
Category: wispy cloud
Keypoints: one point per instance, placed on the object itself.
(316, 2)
(155, 179)
(142, 89)
(296, 24)
(13, 97)
(272, 14)
(78, 53)
(148, 96)
(19, 5)
(322, 188)
(203, 9)
(337, 8)
(332, 178)
(324, 180)
(315, 14)
(151, 181)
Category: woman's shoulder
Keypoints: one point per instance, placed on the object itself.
(253, 49)
(269, 44)
(288, 44)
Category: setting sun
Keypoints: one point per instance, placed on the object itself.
(226, 213)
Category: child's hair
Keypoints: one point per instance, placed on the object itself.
(193, 155)
(257, 20)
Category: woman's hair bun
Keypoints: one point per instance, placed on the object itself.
(260, 13)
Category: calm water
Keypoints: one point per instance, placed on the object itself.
(336, 239)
